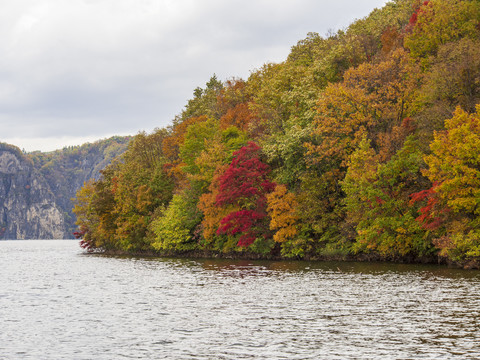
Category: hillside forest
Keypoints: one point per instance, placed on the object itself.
(362, 144)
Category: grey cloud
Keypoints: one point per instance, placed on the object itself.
(100, 67)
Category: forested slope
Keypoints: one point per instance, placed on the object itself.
(365, 143)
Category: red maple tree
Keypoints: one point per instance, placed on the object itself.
(245, 183)
(432, 215)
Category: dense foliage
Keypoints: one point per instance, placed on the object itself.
(365, 143)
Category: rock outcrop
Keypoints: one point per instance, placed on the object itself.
(36, 189)
(27, 205)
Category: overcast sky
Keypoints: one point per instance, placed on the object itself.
(81, 70)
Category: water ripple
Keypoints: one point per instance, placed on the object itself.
(57, 303)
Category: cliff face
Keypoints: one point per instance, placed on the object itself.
(27, 204)
(36, 189)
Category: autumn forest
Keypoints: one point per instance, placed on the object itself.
(363, 144)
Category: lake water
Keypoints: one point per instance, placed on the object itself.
(58, 303)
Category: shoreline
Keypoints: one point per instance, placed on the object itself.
(362, 258)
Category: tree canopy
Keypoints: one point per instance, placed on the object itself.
(361, 143)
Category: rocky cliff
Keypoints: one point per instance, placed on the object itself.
(27, 205)
(36, 189)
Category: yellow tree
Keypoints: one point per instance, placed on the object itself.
(87, 218)
(455, 162)
(438, 22)
(282, 209)
(454, 165)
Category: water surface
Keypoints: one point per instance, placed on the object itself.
(58, 303)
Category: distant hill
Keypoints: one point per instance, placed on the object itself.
(36, 188)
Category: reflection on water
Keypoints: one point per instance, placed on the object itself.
(56, 302)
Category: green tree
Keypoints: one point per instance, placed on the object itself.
(204, 101)
(196, 140)
(378, 202)
(176, 225)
